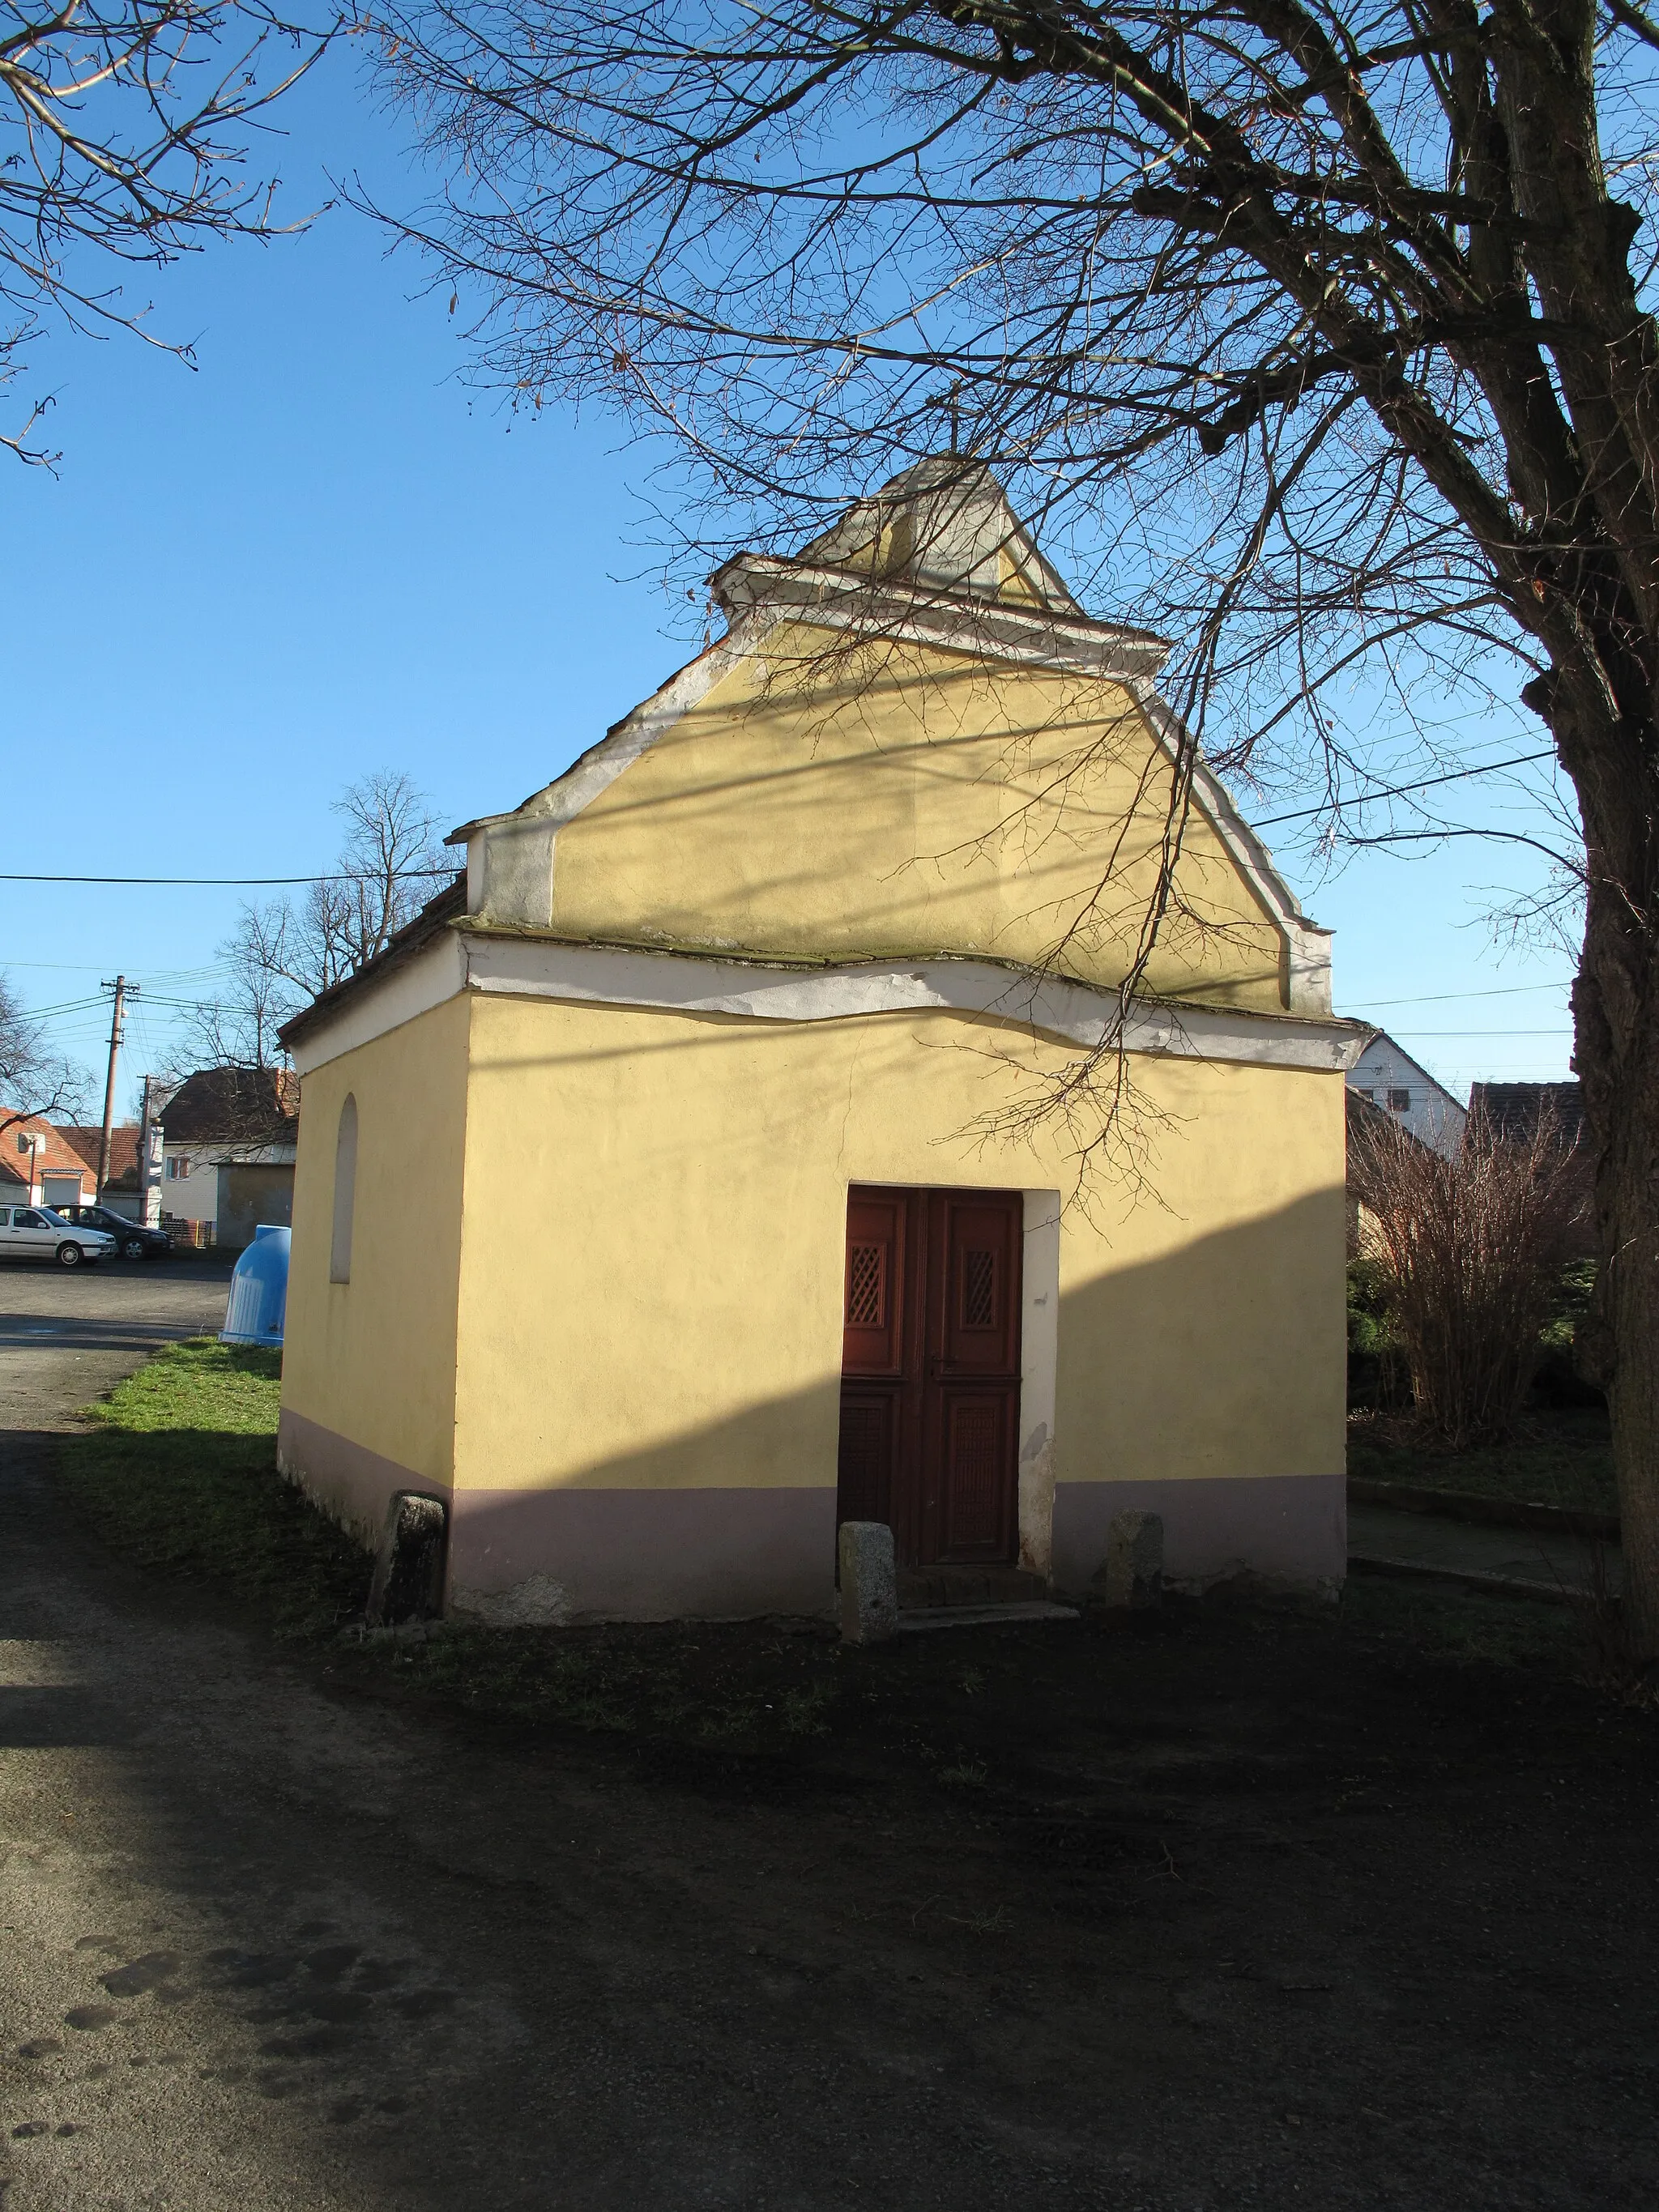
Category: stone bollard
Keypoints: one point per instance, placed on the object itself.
(1131, 1578)
(869, 1582)
(409, 1567)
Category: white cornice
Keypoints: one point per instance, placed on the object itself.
(382, 1003)
(524, 966)
(973, 622)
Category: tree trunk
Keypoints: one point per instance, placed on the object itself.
(1632, 1305)
(1616, 1021)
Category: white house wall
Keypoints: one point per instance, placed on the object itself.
(1434, 1116)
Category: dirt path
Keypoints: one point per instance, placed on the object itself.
(1549, 1560)
(1247, 1913)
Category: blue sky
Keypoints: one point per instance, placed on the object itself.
(318, 553)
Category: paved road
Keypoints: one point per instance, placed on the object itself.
(65, 1338)
(213, 1877)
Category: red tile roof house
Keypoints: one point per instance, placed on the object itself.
(123, 1184)
(229, 1138)
(37, 1168)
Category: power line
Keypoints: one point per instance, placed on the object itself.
(175, 978)
(64, 1006)
(233, 883)
(63, 966)
(1401, 790)
(190, 1006)
(1439, 997)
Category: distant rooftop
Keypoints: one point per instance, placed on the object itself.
(123, 1149)
(1514, 1109)
(246, 1105)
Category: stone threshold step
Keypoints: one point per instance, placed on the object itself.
(911, 1622)
(922, 1587)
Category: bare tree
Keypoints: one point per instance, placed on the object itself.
(35, 1083)
(122, 125)
(1472, 1245)
(285, 953)
(1325, 323)
(239, 1029)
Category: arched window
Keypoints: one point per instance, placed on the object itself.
(345, 1192)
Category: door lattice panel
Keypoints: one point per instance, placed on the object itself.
(979, 1290)
(865, 1458)
(976, 1485)
(866, 1287)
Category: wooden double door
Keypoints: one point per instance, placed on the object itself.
(930, 1371)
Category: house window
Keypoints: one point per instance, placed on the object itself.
(1371, 1095)
(1400, 1102)
(22, 1142)
(177, 1169)
(345, 1193)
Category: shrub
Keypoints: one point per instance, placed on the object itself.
(1374, 1376)
(1369, 1332)
(1468, 1254)
(1559, 1381)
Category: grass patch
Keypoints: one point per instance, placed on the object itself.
(177, 1470)
(1560, 1457)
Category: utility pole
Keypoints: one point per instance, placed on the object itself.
(122, 988)
(149, 1169)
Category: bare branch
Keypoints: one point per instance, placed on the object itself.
(284, 954)
(124, 126)
(36, 1083)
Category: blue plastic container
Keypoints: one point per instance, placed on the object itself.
(258, 1291)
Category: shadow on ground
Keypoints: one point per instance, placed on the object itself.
(1248, 1907)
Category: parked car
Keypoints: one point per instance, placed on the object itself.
(35, 1233)
(134, 1240)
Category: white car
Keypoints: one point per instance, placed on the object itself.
(35, 1233)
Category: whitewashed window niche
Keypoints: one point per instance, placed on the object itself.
(345, 1193)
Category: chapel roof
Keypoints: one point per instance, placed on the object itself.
(937, 552)
(448, 905)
